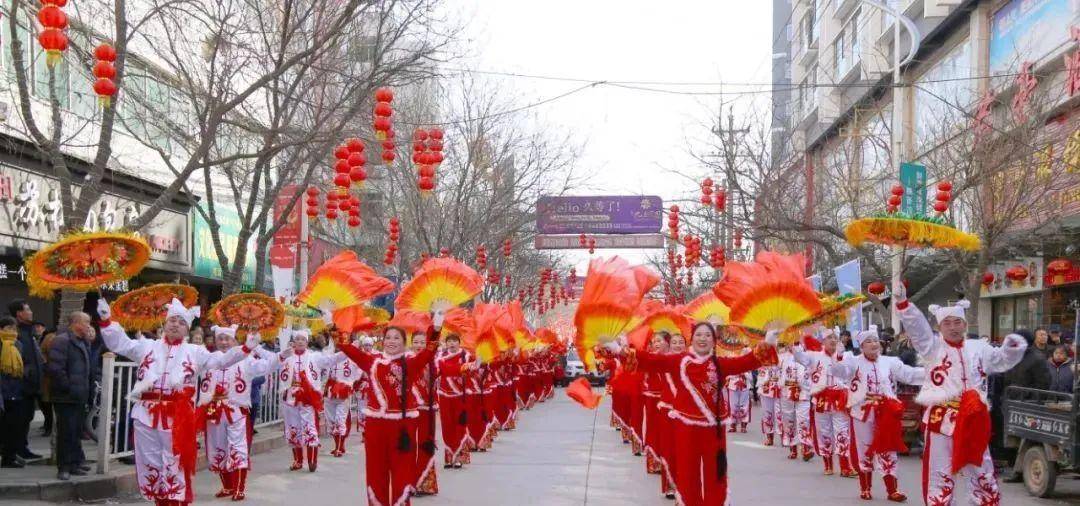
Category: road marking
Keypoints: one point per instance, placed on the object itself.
(750, 444)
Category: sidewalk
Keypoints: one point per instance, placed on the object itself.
(37, 481)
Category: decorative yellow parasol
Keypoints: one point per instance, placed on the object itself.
(84, 261)
(909, 231)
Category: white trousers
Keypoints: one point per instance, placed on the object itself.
(337, 416)
(833, 432)
(739, 404)
(939, 482)
(158, 469)
(795, 423)
(300, 429)
(770, 415)
(227, 443)
(864, 435)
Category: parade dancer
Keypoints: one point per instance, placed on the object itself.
(875, 410)
(389, 448)
(700, 449)
(340, 382)
(768, 383)
(163, 413)
(300, 381)
(224, 407)
(669, 390)
(737, 387)
(957, 420)
(452, 411)
(360, 388)
(828, 400)
(651, 387)
(795, 407)
(424, 392)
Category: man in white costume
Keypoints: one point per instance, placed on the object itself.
(768, 385)
(828, 402)
(875, 410)
(954, 394)
(300, 382)
(738, 396)
(225, 405)
(340, 384)
(163, 412)
(795, 407)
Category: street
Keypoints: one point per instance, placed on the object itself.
(562, 454)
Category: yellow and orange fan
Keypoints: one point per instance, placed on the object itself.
(458, 321)
(482, 342)
(598, 324)
(353, 319)
(439, 284)
(343, 281)
(646, 308)
(615, 281)
(84, 261)
(769, 293)
(708, 308)
(666, 319)
(377, 314)
(834, 310)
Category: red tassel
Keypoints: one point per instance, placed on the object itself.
(971, 436)
(888, 430)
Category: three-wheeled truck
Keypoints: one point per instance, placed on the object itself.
(1043, 427)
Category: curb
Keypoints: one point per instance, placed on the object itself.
(95, 487)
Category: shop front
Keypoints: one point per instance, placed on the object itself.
(1062, 299)
(207, 274)
(31, 217)
(1015, 294)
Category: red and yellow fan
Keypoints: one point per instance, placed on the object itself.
(646, 308)
(482, 342)
(411, 322)
(439, 284)
(458, 321)
(343, 281)
(769, 293)
(708, 308)
(613, 291)
(666, 319)
(353, 319)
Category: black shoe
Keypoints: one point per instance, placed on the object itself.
(28, 455)
(63, 475)
(77, 472)
(13, 464)
(129, 460)
(85, 467)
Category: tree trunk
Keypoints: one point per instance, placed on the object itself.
(70, 301)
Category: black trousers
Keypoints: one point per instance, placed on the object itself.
(46, 409)
(69, 425)
(12, 428)
(29, 407)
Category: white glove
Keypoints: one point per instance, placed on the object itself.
(771, 337)
(103, 309)
(252, 341)
(327, 317)
(623, 342)
(437, 319)
(899, 292)
(1014, 341)
(612, 346)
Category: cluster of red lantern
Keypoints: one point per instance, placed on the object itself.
(716, 257)
(481, 257)
(384, 129)
(351, 205)
(1017, 273)
(349, 167)
(673, 222)
(895, 199)
(493, 276)
(104, 71)
(707, 192)
(394, 234)
(720, 199)
(738, 238)
(693, 250)
(427, 155)
(507, 248)
(572, 278)
(943, 197)
(54, 22)
(312, 202)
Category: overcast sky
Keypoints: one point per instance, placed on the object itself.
(631, 136)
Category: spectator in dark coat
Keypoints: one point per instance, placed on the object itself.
(71, 369)
(1033, 371)
(33, 373)
(1061, 371)
(11, 386)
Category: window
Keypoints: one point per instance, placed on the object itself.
(846, 49)
(942, 96)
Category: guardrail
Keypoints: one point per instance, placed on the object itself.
(114, 425)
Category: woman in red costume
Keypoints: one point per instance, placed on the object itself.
(452, 412)
(426, 482)
(391, 413)
(665, 442)
(650, 395)
(700, 448)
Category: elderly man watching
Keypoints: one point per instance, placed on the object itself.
(71, 368)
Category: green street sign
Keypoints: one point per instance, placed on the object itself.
(913, 178)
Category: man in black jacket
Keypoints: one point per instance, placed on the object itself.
(70, 369)
(33, 372)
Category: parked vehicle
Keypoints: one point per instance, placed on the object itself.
(911, 418)
(1042, 426)
(575, 368)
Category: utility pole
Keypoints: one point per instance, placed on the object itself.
(730, 154)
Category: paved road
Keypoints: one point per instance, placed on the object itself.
(562, 454)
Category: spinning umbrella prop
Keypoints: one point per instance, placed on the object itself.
(251, 312)
(84, 261)
(144, 309)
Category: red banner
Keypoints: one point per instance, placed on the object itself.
(286, 239)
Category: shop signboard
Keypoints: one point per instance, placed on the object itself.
(206, 258)
(913, 178)
(1029, 30)
(629, 241)
(1002, 285)
(32, 214)
(633, 214)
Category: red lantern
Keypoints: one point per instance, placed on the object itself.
(941, 207)
(341, 152)
(341, 180)
(358, 176)
(105, 89)
(354, 145)
(104, 70)
(103, 51)
(987, 278)
(354, 221)
(1017, 273)
(383, 109)
(426, 184)
(312, 191)
(897, 190)
(706, 200)
(944, 186)
(436, 133)
(388, 156)
(312, 211)
(356, 159)
(381, 125)
(427, 171)
(384, 94)
(508, 248)
(420, 134)
(331, 214)
(894, 201)
(876, 288)
(582, 241)
(721, 200)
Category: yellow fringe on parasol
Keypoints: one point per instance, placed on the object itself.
(84, 261)
(252, 312)
(898, 231)
(707, 308)
(304, 317)
(144, 309)
(343, 281)
(440, 284)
